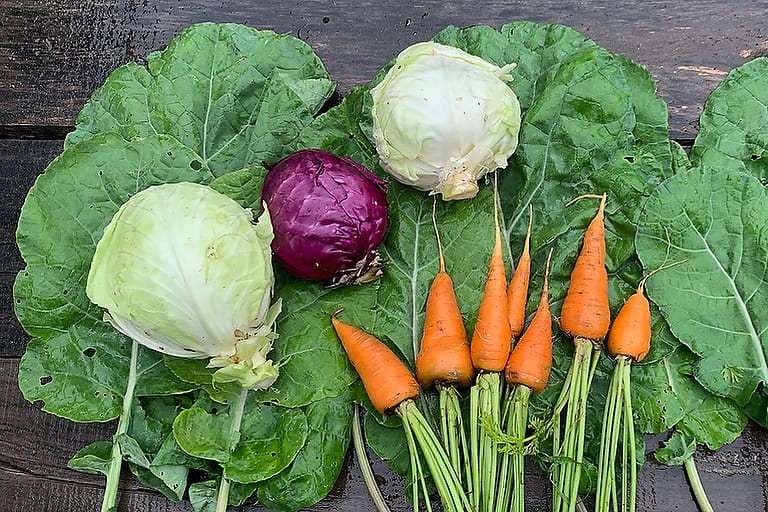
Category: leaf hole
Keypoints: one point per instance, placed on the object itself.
(96, 394)
(754, 157)
(326, 19)
(273, 454)
(196, 165)
(89, 352)
(100, 172)
(351, 136)
(65, 292)
(630, 159)
(45, 380)
(170, 154)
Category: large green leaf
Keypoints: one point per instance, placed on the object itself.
(665, 397)
(714, 223)
(234, 95)
(314, 471)
(734, 124)
(267, 442)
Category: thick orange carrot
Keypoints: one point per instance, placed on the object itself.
(630, 334)
(517, 291)
(586, 312)
(444, 355)
(492, 337)
(386, 379)
(530, 362)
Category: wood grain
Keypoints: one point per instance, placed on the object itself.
(53, 53)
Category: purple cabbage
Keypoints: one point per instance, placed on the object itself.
(329, 213)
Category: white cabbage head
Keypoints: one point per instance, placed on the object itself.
(182, 269)
(443, 118)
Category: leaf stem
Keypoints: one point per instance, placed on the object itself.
(696, 485)
(365, 465)
(116, 458)
(222, 498)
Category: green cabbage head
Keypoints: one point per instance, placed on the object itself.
(183, 269)
(443, 118)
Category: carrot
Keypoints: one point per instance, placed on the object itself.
(585, 316)
(490, 346)
(517, 290)
(585, 312)
(444, 356)
(387, 381)
(530, 363)
(527, 371)
(630, 333)
(629, 340)
(392, 389)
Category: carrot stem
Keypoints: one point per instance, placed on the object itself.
(444, 477)
(452, 429)
(571, 449)
(416, 474)
(519, 425)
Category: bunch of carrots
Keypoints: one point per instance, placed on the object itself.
(478, 465)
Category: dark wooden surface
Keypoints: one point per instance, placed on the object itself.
(53, 53)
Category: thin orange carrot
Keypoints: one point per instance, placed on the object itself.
(585, 312)
(530, 362)
(517, 290)
(444, 356)
(386, 379)
(492, 337)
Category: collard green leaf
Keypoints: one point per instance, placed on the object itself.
(677, 450)
(714, 223)
(234, 95)
(268, 440)
(733, 129)
(93, 458)
(203, 495)
(314, 471)
(120, 105)
(666, 397)
(538, 49)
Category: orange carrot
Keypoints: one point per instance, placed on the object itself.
(530, 363)
(492, 338)
(517, 291)
(585, 312)
(386, 379)
(630, 334)
(585, 316)
(444, 355)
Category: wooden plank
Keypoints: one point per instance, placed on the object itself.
(53, 53)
